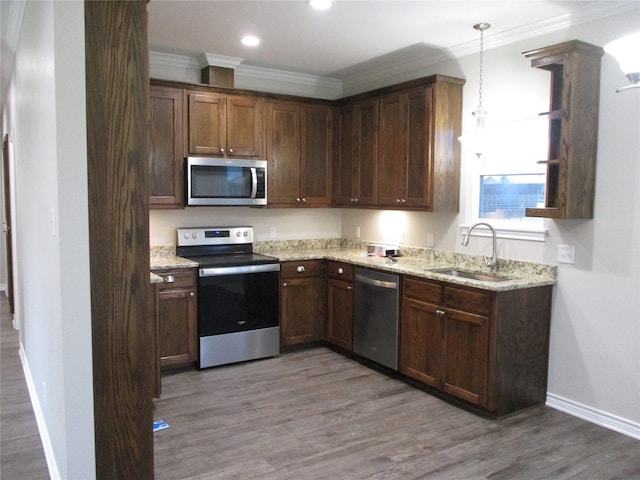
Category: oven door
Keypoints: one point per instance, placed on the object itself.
(237, 299)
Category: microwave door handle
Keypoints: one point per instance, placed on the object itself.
(254, 182)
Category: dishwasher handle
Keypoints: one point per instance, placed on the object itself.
(376, 283)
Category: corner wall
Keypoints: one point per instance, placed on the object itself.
(45, 111)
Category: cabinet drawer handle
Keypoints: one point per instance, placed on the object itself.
(169, 279)
(439, 312)
(300, 269)
(284, 284)
(222, 150)
(349, 287)
(340, 271)
(231, 150)
(191, 294)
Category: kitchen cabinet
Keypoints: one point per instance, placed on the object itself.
(340, 304)
(223, 125)
(302, 302)
(487, 348)
(418, 152)
(356, 170)
(166, 162)
(573, 128)
(177, 317)
(299, 152)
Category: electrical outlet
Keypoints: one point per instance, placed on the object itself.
(401, 237)
(430, 240)
(357, 232)
(566, 254)
(273, 233)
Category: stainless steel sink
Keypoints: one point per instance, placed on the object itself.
(483, 277)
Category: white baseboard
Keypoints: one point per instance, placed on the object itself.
(590, 414)
(54, 472)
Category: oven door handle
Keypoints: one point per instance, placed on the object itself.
(220, 271)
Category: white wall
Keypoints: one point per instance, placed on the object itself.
(45, 113)
(290, 223)
(595, 336)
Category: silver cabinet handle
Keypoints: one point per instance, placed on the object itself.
(284, 284)
(169, 279)
(222, 150)
(231, 150)
(304, 199)
(349, 287)
(397, 200)
(191, 294)
(300, 269)
(439, 312)
(297, 199)
(340, 271)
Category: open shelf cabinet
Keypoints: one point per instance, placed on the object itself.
(573, 127)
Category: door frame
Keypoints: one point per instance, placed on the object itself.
(7, 226)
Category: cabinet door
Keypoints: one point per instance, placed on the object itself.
(283, 153)
(316, 142)
(166, 162)
(367, 152)
(340, 313)
(418, 177)
(392, 157)
(244, 127)
(301, 310)
(347, 163)
(422, 341)
(177, 327)
(466, 361)
(206, 124)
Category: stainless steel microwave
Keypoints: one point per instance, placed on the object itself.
(226, 181)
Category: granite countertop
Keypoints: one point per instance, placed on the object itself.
(518, 274)
(417, 262)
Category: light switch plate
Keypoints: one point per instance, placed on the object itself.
(566, 254)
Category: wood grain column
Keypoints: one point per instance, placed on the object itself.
(117, 76)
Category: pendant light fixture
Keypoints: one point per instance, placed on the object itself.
(480, 113)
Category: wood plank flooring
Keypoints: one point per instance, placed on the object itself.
(314, 414)
(21, 453)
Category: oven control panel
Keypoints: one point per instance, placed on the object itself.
(196, 236)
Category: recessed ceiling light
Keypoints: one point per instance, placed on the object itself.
(320, 4)
(250, 41)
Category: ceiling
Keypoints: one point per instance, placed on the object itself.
(353, 36)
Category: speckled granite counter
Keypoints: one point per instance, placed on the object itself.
(164, 256)
(414, 261)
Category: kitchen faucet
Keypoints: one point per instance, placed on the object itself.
(489, 262)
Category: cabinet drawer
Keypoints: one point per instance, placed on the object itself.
(303, 268)
(423, 291)
(339, 270)
(467, 300)
(177, 278)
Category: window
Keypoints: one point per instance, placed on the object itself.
(507, 196)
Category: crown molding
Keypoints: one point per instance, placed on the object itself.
(172, 60)
(211, 59)
(289, 77)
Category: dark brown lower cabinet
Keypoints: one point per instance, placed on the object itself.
(488, 348)
(340, 305)
(302, 302)
(177, 317)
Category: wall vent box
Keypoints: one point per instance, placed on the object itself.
(383, 251)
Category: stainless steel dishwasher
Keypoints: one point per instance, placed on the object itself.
(375, 317)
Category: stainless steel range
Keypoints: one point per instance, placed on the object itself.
(238, 300)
